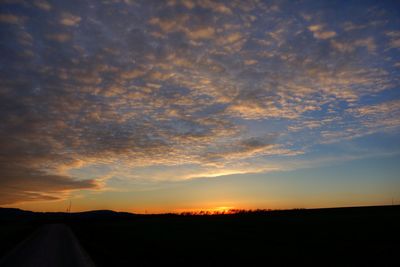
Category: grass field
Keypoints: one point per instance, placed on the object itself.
(367, 236)
(12, 233)
(328, 237)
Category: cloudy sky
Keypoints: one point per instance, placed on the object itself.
(198, 104)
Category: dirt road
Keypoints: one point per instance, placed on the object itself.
(51, 245)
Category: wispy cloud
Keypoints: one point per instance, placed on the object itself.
(319, 32)
(68, 19)
(11, 19)
(23, 183)
(394, 39)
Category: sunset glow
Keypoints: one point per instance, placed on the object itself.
(189, 105)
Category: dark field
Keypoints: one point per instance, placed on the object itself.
(368, 236)
(13, 233)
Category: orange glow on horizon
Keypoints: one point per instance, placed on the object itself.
(209, 211)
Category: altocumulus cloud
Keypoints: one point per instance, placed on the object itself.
(143, 83)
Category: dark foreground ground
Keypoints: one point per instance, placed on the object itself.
(51, 245)
(368, 236)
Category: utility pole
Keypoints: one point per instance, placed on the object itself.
(69, 207)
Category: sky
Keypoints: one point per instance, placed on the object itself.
(170, 106)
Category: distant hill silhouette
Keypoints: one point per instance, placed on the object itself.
(13, 214)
